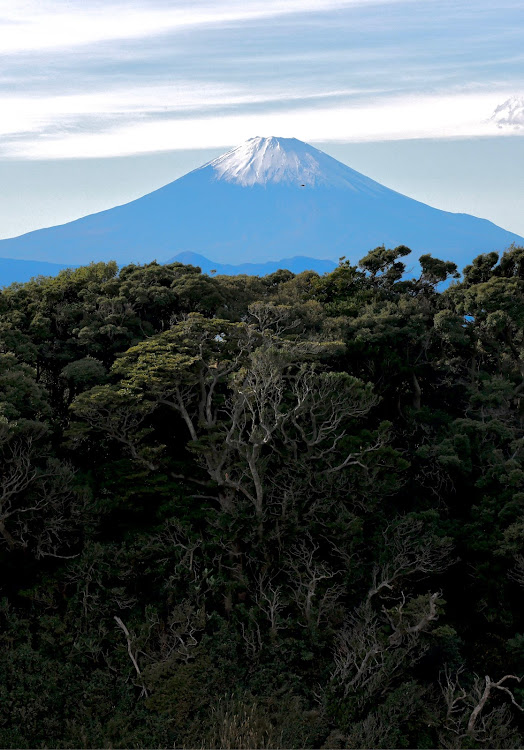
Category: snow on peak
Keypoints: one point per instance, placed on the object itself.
(260, 161)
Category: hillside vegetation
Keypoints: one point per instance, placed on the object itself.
(246, 512)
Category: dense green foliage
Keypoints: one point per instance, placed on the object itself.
(263, 512)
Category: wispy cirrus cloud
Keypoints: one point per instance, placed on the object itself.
(58, 115)
(38, 25)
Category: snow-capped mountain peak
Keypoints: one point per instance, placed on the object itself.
(288, 161)
(267, 199)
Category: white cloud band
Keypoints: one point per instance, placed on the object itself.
(443, 116)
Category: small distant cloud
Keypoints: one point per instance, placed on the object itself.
(509, 114)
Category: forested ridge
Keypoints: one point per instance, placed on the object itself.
(246, 512)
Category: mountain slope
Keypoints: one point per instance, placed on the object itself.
(269, 198)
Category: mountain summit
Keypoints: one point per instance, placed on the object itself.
(266, 200)
(286, 161)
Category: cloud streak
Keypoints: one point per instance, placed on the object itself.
(43, 25)
(35, 114)
(440, 116)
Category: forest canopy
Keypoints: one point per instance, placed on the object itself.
(255, 512)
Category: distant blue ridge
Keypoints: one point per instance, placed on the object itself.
(296, 265)
(20, 271)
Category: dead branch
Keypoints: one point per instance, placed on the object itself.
(131, 654)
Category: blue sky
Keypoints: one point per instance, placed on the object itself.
(104, 101)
